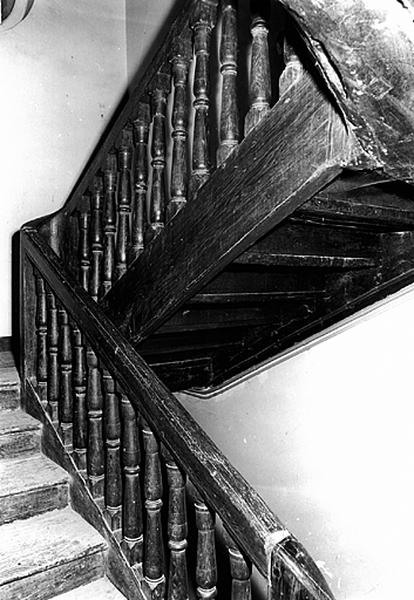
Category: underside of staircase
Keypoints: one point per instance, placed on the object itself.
(47, 550)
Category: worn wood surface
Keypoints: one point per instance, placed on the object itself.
(248, 519)
(365, 52)
(259, 185)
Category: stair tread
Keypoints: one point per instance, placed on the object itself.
(17, 420)
(18, 475)
(43, 542)
(101, 589)
(9, 377)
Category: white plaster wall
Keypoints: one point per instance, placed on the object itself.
(326, 436)
(63, 71)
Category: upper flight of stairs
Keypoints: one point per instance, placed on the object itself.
(46, 549)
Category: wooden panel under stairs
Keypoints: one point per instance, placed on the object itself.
(334, 255)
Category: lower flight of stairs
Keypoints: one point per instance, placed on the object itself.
(46, 549)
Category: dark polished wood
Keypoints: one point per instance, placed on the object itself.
(132, 517)
(80, 418)
(154, 560)
(124, 201)
(249, 205)
(113, 467)
(240, 570)
(159, 92)
(180, 61)
(65, 380)
(260, 83)
(95, 448)
(229, 116)
(84, 258)
(52, 358)
(41, 325)
(178, 588)
(140, 169)
(96, 239)
(206, 564)
(109, 223)
(203, 19)
(247, 518)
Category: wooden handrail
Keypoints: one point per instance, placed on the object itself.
(248, 519)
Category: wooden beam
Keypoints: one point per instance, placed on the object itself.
(365, 53)
(300, 146)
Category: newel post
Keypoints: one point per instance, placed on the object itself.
(28, 346)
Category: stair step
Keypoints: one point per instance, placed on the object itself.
(252, 297)
(9, 388)
(102, 589)
(48, 554)
(269, 259)
(30, 486)
(19, 433)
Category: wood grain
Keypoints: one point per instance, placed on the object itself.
(268, 176)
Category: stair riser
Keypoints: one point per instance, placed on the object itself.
(33, 502)
(9, 398)
(59, 579)
(18, 443)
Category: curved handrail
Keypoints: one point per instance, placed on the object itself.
(19, 11)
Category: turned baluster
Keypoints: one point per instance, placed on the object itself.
(65, 381)
(96, 235)
(202, 22)
(159, 92)
(108, 266)
(177, 531)
(240, 570)
(95, 450)
(84, 260)
(293, 70)
(41, 325)
(180, 60)
(113, 473)
(206, 567)
(260, 83)
(132, 521)
(139, 212)
(80, 419)
(52, 358)
(229, 117)
(154, 577)
(124, 202)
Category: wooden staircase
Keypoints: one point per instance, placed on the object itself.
(46, 549)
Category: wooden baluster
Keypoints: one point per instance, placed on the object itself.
(160, 89)
(41, 325)
(260, 84)
(84, 260)
(52, 359)
(65, 381)
(95, 450)
(113, 472)
(229, 118)
(154, 575)
(96, 235)
(240, 569)
(132, 521)
(206, 569)
(124, 201)
(293, 70)
(177, 531)
(139, 212)
(180, 60)
(80, 419)
(110, 179)
(202, 22)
